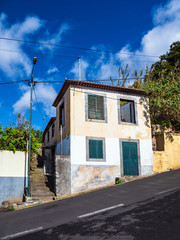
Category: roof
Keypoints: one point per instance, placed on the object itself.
(87, 84)
(51, 121)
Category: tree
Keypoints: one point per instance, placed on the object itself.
(138, 82)
(162, 84)
(123, 75)
(15, 137)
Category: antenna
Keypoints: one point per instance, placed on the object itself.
(79, 70)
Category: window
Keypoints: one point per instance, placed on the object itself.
(158, 142)
(96, 107)
(53, 130)
(95, 149)
(48, 136)
(127, 111)
(61, 115)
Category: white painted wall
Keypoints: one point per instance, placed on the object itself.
(146, 153)
(112, 149)
(13, 164)
(78, 152)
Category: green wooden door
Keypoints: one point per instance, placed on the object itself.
(130, 158)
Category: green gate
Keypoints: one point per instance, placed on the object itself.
(130, 158)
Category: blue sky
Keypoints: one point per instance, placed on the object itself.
(135, 30)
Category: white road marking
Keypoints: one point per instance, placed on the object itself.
(101, 210)
(21, 233)
(166, 191)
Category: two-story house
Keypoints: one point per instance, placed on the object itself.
(100, 132)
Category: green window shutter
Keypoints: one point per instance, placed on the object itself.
(96, 107)
(96, 149)
(91, 106)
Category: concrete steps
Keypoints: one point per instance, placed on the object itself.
(39, 184)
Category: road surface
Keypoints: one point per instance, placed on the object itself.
(143, 209)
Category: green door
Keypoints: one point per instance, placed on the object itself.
(130, 158)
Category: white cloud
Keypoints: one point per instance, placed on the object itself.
(52, 70)
(168, 12)
(157, 40)
(23, 103)
(45, 94)
(54, 38)
(16, 64)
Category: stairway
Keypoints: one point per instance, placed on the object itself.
(41, 187)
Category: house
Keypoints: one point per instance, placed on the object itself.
(100, 132)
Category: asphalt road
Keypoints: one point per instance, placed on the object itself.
(150, 210)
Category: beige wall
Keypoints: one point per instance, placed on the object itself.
(66, 128)
(111, 129)
(13, 164)
(170, 157)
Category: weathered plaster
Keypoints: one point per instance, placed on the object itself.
(62, 176)
(86, 177)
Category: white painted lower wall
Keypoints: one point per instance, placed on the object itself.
(112, 148)
(13, 175)
(86, 175)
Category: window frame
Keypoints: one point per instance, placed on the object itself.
(60, 106)
(131, 99)
(87, 150)
(53, 130)
(86, 107)
(48, 136)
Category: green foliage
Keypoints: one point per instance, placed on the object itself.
(38, 135)
(163, 87)
(15, 137)
(162, 84)
(119, 181)
(12, 208)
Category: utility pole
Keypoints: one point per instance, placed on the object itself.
(79, 69)
(30, 83)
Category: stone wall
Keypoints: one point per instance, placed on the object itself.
(62, 176)
(170, 157)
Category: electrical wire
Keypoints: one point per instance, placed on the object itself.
(41, 53)
(70, 56)
(89, 80)
(13, 82)
(73, 47)
(59, 69)
(37, 103)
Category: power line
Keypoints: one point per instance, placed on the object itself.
(59, 69)
(41, 53)
(73, 47)
(13, 82)
(37, 103)
(90, 80)
(70, 56)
